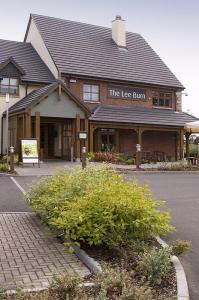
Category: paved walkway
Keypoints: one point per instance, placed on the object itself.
(29, 255)
(50, 166)
(46, 168)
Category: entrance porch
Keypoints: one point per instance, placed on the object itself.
(55, 117)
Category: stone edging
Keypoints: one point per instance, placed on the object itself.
(89, 262)
(182, 286)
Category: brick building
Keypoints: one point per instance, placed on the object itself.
(68, 77)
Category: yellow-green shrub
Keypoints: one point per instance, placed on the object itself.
(97, 206)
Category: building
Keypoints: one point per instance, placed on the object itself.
(68, 77)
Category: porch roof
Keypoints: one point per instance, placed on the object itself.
(141, 115)
(37, 95)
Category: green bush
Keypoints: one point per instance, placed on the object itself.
(155, 264)
(91, 156)
(3, 167)
(180, 247)
(97, 206)
(193, 150)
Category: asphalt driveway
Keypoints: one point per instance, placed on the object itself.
(181, 193)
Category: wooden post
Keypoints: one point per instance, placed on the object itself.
(91, 138)
(37, 133)
(37, 127)
(117, 140)
(139, 132)
(28, 125)
(182, 144)
(187, 135)
(86, 129)
(77, 138)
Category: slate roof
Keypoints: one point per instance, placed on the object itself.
(140, 115)
(30, 98)
(38, 94)
(28, 59)
(88, 50)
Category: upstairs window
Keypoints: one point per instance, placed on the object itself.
(9, 85)
(91, 92)
(162, 100)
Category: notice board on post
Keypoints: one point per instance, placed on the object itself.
(29, 151)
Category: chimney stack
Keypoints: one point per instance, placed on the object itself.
(118, 31)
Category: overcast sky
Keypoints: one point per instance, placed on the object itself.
(171, 27)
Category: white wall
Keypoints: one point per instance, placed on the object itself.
(34, 37)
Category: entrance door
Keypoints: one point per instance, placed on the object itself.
(47, 139)
(66, 140)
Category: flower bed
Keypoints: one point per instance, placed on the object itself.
(112, 157)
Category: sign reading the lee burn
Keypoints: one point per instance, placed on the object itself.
(127, 93)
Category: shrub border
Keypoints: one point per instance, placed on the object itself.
(182, 286)
(94, 266)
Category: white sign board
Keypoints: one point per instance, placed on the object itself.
(29, 150)
(82, 135)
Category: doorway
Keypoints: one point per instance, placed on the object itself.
(47, 139)
(56, 139)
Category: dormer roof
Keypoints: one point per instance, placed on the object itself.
(23, 57)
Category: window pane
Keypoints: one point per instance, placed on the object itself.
(95, 88)
(5, 81)
(13, 90)
(161, 102)
(87, 88)
(87, 96)
(4, 89)
(167, 102)
(95, 97)
(155, 102)
(13, 81)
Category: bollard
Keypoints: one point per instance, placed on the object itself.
(12, 168)
(138, 156)
(83, 157)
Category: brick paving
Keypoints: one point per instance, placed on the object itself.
(29, 254)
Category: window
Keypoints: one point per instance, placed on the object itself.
(91, 92)
(162, 99)
(107, 140)
(9, 85)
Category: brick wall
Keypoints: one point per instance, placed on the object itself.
(127, 141)
(160, 141)
(77, 89)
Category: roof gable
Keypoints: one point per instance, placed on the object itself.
(88, 50)
(24, 57)
(11, 67)
(37, 96)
